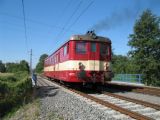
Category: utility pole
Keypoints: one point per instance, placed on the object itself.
(31, 62)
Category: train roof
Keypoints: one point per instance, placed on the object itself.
(89, 36)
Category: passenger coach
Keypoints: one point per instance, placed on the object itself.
(82, 59)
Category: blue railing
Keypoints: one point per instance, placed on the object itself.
(133, 78)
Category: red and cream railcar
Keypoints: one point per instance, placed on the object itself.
(83, 58)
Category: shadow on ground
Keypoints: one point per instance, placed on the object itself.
(45, 91)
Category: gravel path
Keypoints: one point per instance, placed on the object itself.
(56, 102)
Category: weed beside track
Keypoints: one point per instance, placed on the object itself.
(14, 90)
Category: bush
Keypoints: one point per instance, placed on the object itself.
(13, 90)
(8, 79)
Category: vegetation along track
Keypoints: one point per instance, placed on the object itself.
(133, 88)
(134, 108)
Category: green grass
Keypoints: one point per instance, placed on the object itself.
(18, 101)
(6, 74)
(53, 116)
(13, 90)
(30, 111)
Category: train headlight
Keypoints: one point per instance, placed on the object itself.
(72, 74)
(108, 66)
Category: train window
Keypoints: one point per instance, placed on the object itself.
(54, 59)
(50, 61)
(57, 58)
(65, 51)
(103, 49)
(93, 47)
(81, 47)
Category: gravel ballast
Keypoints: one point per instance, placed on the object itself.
(139, 96)
(70, 106)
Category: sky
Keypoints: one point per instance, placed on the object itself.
(49, 23)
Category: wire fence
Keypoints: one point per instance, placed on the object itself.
(133, 78)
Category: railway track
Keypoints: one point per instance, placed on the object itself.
(134, 108)
(149, 91)
(133, 88)
(145, 111)
(42, 83)
(147, 104)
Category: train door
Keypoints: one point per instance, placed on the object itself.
(92, 60)
(58, 61)
(92, 56)
(105, 52)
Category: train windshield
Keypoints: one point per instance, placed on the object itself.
(93, 47)
(81, 47)
(104, 49)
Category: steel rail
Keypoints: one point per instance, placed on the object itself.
(134, 88)
(41, 82)
(147, 91)
(148, 104)
(115, 107)
(110, 105)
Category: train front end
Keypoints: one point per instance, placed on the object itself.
(92, 58)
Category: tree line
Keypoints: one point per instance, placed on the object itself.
(144, 57)
(12, 67)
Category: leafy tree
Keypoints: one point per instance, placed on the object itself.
(24, 66)
(16, 67)
(2, 67)
(11, 67)
(145, 43)
(123, 64)
(119, 64)
(40, 65)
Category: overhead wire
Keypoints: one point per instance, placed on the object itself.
(74, 12)
(83, 11)
(63, 11)
(25, 27)
(26, 37)
(34, 21)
